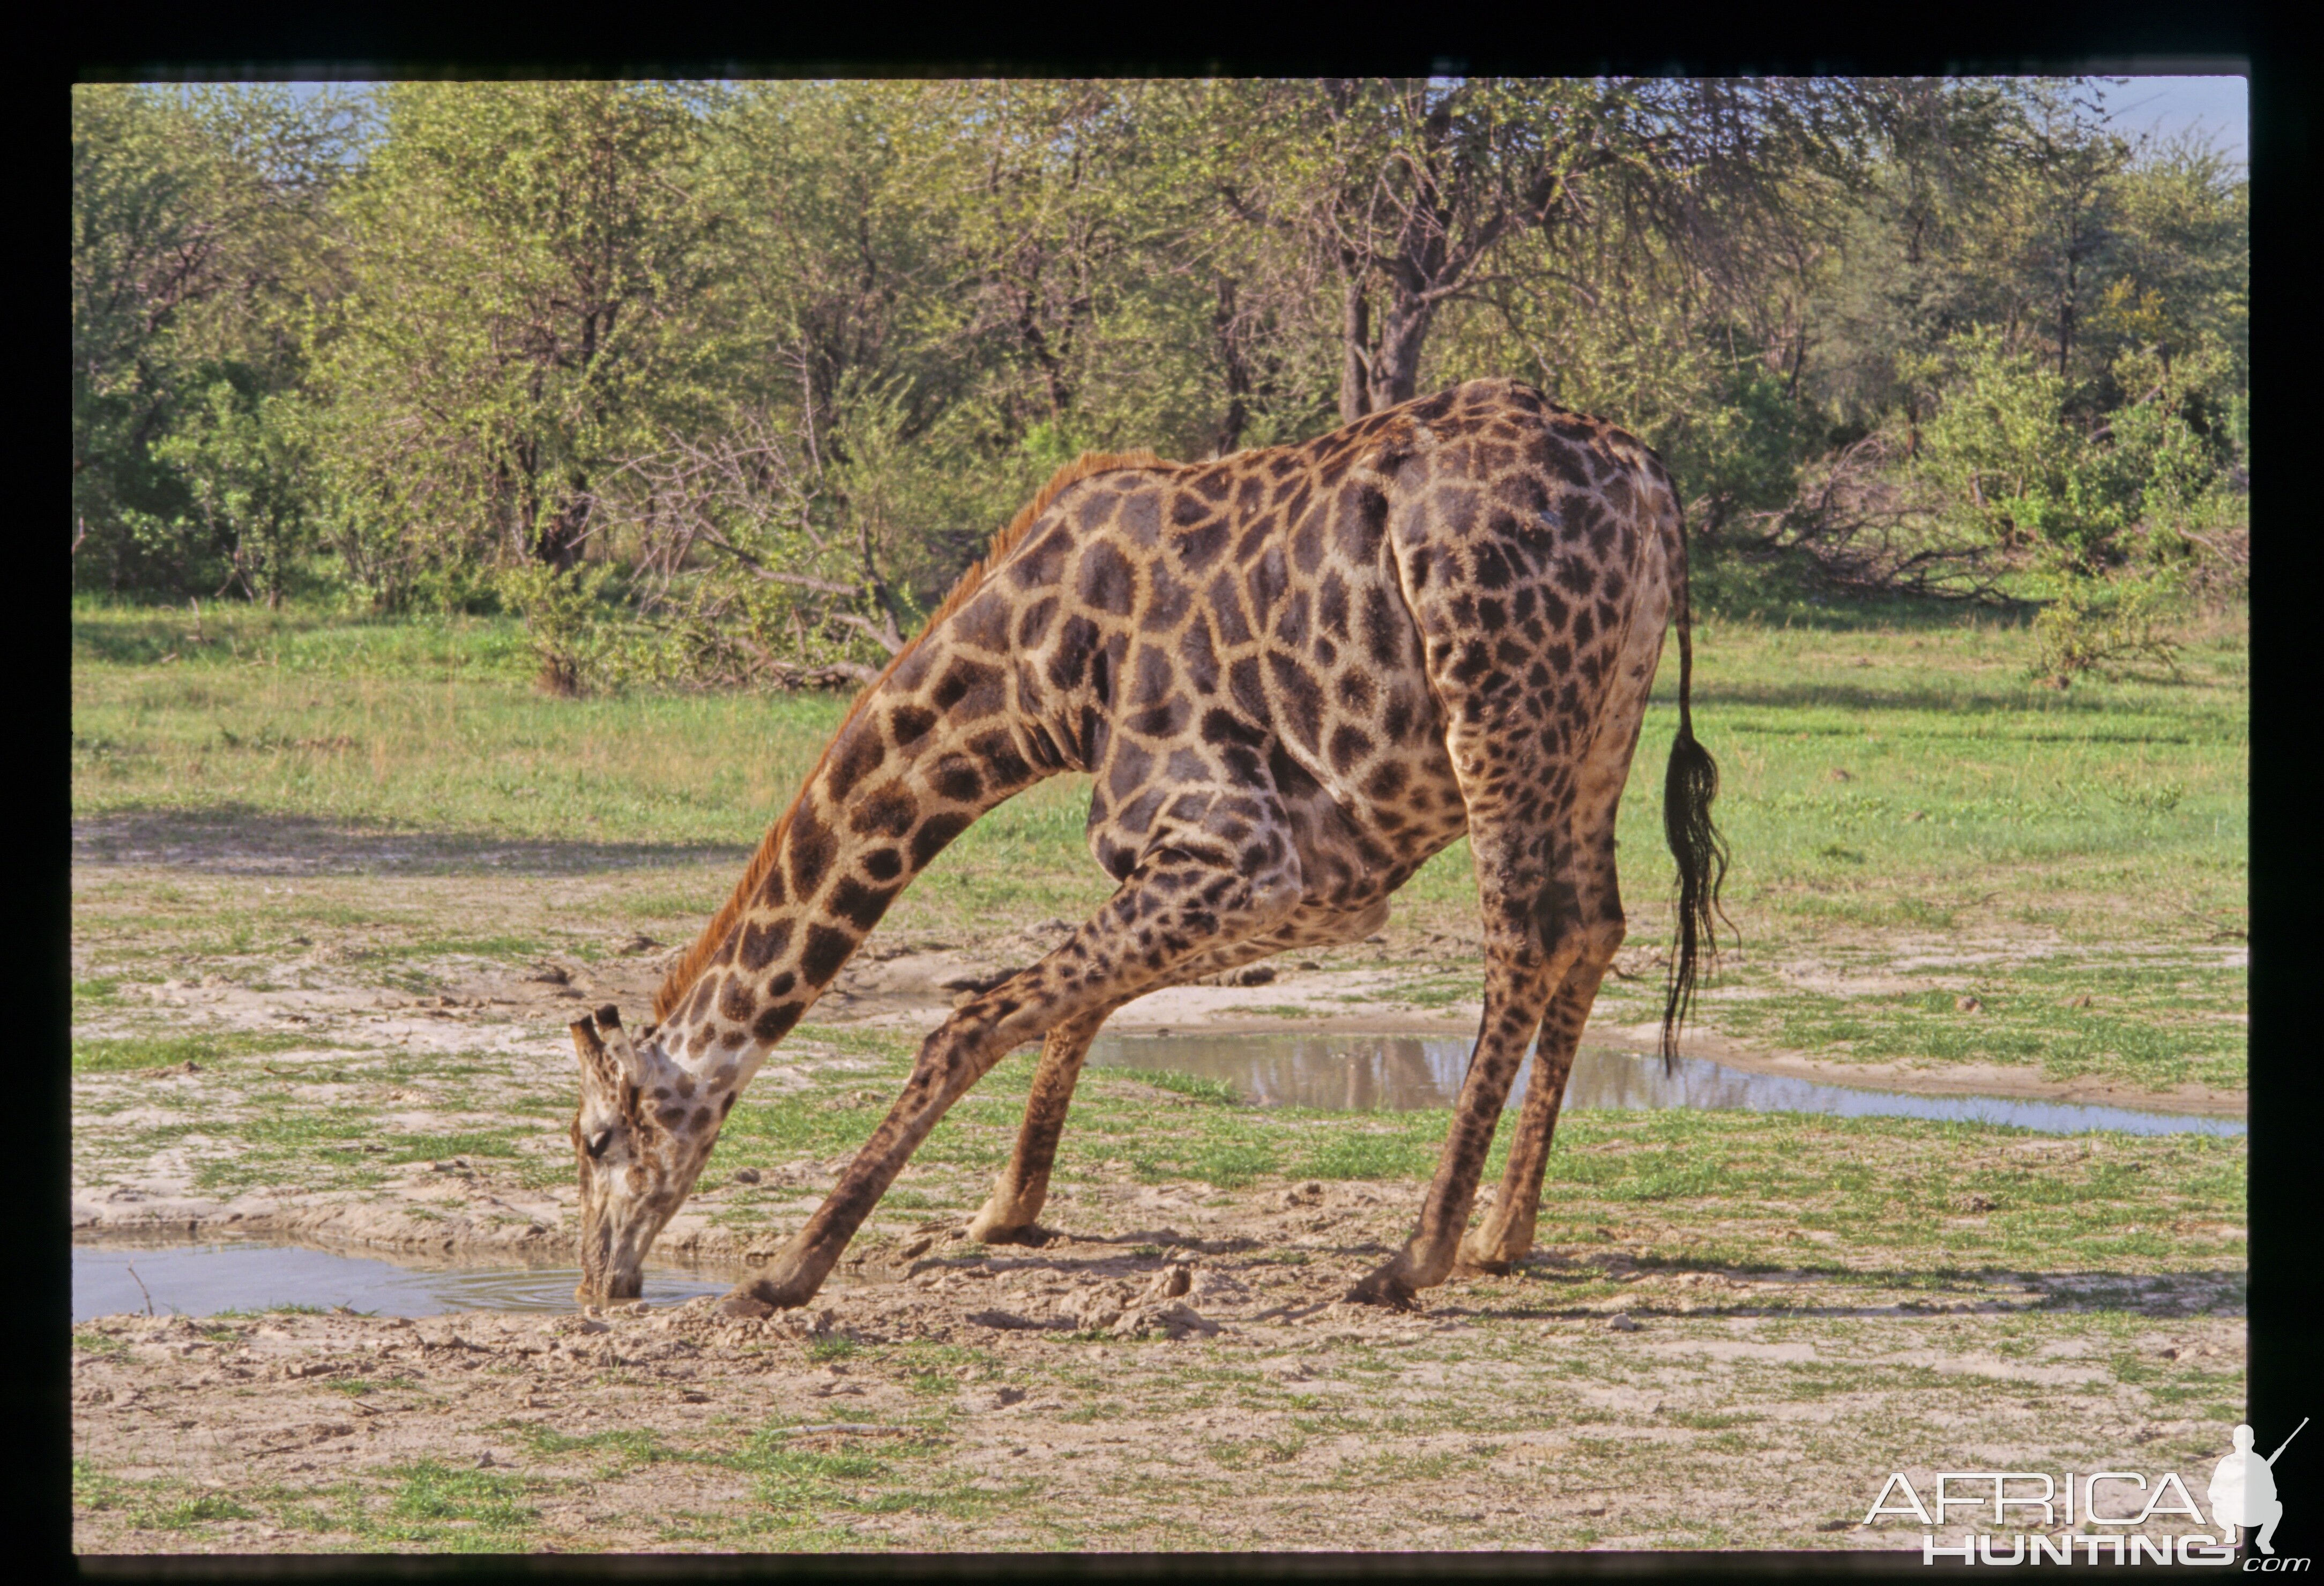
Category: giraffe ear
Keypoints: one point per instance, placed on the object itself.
(617, 1041)
(586, 1046)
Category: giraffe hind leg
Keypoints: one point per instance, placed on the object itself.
(1007, 1216)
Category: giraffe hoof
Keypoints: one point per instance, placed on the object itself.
(1478, 1259)
(1031, 1234)
(1385, 1289)
(743, 1303)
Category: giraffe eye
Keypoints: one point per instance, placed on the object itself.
(599, 1141)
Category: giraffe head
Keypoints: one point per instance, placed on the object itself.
(644, 1128)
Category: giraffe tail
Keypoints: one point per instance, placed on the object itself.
(1689, 787)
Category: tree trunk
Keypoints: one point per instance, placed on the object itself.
(564, 532)
(1395, 366)
(1355, 352)
(1237, 370)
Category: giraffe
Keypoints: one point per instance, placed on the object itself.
(1293, 674)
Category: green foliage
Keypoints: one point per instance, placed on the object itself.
(2011, 466)
(559, 605)
(248, 461)
(2016, 465)
(200, 232)
(2101, 623)
(728, 384)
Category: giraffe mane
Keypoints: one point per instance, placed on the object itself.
(688, 968)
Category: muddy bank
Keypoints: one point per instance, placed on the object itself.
(1166, 1386)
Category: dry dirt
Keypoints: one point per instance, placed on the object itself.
(1175, 1370)
(1169, 1377)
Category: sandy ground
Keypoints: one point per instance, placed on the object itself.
(888, 987)
(1175, 1370)
(1167, 1376)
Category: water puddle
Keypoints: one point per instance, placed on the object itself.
(1403, 1074)
(204, 1279)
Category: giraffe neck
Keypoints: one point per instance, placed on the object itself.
(922, 756)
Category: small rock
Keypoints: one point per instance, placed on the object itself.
(549, 974)
(2082, 1000)
(638, 944)
(998, 1399)
(800, 1324)
(1915, 814)
(1006, 1321)
(1178, 1318)
(746, 1176)
(1624, 1322)
(691, 1396)
(1838, 775)
(640, 1308)
(1167, 1284)
(1967, 1005)
(1218, 1287)
(484, 1462)
(1977, 1204)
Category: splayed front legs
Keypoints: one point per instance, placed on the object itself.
(1186, 896)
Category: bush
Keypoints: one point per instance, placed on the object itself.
(2099, 624)
(562, 617)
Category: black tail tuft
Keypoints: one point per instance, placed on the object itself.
(1689, 787)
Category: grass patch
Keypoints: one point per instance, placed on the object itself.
(1216, 1091)
(443, 1508)
(128, 1054)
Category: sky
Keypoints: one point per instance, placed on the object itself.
(2168, 106)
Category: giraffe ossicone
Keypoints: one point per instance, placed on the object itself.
(1293, 674)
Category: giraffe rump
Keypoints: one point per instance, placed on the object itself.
(680, 980)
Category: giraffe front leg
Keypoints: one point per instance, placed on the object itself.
(1183, 897)
(1007, 1217)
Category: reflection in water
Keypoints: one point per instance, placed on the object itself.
(202, 1280)
(1401, 1073)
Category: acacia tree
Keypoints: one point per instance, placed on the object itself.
(1407, 192)
(525, 269)
(200, 234)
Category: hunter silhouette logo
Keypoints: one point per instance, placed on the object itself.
(2099, 1512)
(2243, 1488)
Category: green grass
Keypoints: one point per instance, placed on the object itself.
(1748, 1189)
(1955, 759)
(1891, 782)
(129, 1053)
